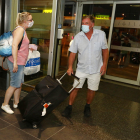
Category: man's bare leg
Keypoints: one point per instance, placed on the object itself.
(73, 95)
(90, 96)
(68, 109)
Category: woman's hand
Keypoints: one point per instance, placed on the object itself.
(31, 49)
(15, 68)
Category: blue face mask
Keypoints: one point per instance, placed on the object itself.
(85, 28)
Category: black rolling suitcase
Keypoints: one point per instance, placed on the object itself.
(46, 95)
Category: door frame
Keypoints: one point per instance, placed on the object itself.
(10, 17)
(114, 3)
(52, 38)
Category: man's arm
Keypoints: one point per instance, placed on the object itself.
(105, 54)
(71, 60)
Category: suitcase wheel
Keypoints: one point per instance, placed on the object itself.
(34, 126)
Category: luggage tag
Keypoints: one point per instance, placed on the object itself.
(46, 105)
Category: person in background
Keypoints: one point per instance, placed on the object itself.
(123, 54)
(116, 40)
(70, 45)
(92, 49)
(18, 59)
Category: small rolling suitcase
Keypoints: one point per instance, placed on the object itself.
(45, 96)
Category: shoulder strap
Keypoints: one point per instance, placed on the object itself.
(21, 27)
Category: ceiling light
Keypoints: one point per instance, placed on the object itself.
(135, 5)
(34, 8)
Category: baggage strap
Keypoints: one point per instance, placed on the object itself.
(34, 89)
(41, 97)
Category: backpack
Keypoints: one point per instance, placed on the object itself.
(6, 40)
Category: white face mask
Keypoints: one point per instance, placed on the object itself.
(85, 28)
(30, 24)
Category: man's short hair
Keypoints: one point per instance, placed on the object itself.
(90, 17)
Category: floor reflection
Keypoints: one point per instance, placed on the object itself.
(128, 71)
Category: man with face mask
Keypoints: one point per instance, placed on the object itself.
(92, 49)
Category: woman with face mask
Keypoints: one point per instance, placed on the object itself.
(18, 59)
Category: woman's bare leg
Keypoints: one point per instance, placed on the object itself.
(9, 92)
(17, 95)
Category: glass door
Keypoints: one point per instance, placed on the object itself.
(124, 57)
(3, 28)
(72, 23)
(39, 34)
(69, 27)
(121, 24)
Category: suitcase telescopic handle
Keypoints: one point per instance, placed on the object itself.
(75, 77)
(78, 79)
(71, 75)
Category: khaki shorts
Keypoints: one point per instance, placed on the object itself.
(93, 80)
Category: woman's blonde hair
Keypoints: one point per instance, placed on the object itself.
(21, 17)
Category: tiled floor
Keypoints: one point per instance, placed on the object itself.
(115, 116)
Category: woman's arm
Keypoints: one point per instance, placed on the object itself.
(17, 37)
